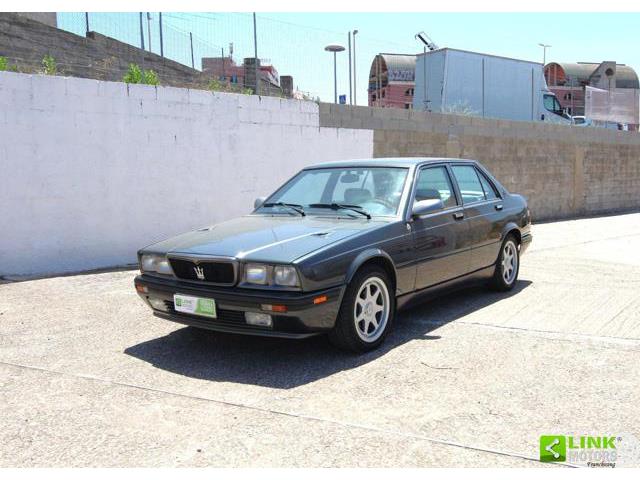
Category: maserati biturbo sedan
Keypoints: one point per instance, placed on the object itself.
(338, 248)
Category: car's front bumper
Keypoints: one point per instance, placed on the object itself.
(302, 318)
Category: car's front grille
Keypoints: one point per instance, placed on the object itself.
(225, 318)
(210, 271)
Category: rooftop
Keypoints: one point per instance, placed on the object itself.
(404, 162)
(626, 76)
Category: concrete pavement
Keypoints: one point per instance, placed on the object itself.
(88, 377)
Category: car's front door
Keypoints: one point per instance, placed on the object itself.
(439, 237)
(483, 210)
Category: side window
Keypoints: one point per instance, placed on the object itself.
(489, 190)
(434, 182)
(469, 183)
(551, 103)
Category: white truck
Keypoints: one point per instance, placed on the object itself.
(469, 83)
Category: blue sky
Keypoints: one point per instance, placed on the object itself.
(294, 42)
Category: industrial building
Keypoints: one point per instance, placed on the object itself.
(226, 70)
(606, 91)
(392, 80)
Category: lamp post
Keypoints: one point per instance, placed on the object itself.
(544, 52)
(335, 49)
(355, 84)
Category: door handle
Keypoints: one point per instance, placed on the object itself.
(499, 206)
(458, 215)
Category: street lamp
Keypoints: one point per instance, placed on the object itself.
(335, 49)
(544, 52)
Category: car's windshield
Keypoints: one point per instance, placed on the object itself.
(375, 190)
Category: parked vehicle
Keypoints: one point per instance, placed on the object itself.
(470, 83)
(338, 248)
(582, 121)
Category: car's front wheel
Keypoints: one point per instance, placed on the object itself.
(366, 313)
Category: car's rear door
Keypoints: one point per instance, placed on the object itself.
(483, 210)
(439, 237)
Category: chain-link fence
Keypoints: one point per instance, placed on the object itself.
(284, 48)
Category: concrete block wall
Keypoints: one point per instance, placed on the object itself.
(94, 170)
(564, 171)
(24, 42)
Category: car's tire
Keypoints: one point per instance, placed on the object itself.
(507, 266)
(367, 311)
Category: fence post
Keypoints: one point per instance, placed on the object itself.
(350, 85)
(141, 33)
(193, 65)
(161, 43)
(86, 21)
(149, 29)
(255, 50)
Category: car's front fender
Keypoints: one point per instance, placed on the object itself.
(367, 255)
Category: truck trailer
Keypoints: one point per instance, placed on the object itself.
(469, 83)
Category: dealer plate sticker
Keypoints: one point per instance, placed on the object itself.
(195, 305)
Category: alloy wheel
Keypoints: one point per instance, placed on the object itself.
(509, 262)
(371, 309)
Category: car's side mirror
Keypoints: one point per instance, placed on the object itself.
(425, 207)
(257, 203)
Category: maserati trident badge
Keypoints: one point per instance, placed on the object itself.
(199, 272)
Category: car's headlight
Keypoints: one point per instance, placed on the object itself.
(286, 276)
(256, 273)
(155, 263)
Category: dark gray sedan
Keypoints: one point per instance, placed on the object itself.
(338, 248)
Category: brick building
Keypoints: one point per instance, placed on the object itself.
(570, 82)
(227, 70)
(392, 80)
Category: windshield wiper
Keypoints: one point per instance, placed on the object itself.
(293, 206)
(341, 206)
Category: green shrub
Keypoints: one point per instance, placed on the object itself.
(49, 66)
(4, 65)
(149, 77)
(133, 75)
(136, 75)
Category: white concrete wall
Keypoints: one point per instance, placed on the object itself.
(91, 171)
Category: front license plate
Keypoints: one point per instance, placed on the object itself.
(205, 307)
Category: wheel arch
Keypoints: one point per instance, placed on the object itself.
(373, 257)
(512, 228)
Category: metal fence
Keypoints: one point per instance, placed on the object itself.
(291, 48)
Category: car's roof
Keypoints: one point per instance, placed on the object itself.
(404, 162)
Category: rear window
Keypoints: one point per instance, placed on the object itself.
(490, 192)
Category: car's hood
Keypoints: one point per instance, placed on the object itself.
(278, 239)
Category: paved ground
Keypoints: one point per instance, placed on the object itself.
(89, 377)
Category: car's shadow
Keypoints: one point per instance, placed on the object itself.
(282, 363)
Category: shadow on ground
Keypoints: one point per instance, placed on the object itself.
(282, 363)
